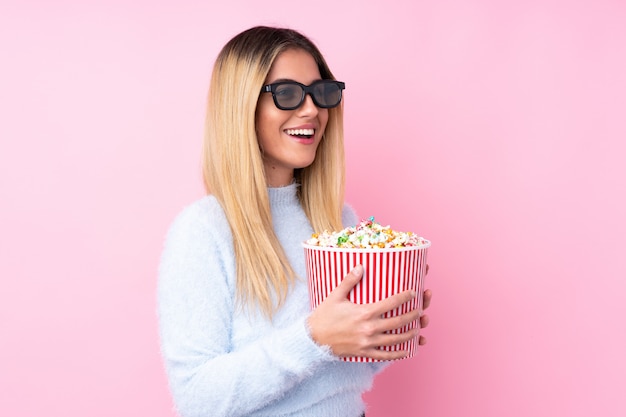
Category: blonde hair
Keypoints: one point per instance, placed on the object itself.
(233, 166)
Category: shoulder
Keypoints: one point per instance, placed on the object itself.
(202, 215)
(200, 222)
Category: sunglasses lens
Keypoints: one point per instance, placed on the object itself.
(288, 96)
(327, 94)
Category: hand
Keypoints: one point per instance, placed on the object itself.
(426, 297)
(359, 329)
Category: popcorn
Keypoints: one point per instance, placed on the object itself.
(368, 234)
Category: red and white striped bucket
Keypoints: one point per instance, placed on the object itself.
(386, 271)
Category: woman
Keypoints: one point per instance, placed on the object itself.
(237, 335)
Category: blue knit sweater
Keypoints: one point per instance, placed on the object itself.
(222, 360)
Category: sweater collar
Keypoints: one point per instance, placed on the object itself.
(283, 196)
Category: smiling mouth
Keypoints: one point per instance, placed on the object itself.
(301, 133)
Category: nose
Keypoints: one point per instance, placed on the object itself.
(308, 108)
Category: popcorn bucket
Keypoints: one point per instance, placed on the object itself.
(386, 271)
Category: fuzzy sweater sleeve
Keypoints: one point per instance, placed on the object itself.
(196, 294)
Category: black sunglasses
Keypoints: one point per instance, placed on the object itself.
(289, 95)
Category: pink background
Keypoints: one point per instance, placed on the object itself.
(494, 128)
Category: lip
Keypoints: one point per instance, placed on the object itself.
(303, 140)
(304, 126)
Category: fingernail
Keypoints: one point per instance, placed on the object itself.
(358, 270)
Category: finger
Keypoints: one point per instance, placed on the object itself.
(427, 296)
(424, 321)
(393, 302)
(383, 355)
(349, 281)
(397, 322)
(422, 341)
(427, 268)
(392, 339)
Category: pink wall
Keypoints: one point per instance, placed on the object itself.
(496, 129)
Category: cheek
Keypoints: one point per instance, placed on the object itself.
(269, 131)
(323, 118)
(268, 120)
(263, 127)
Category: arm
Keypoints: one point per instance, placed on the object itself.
(196, 309)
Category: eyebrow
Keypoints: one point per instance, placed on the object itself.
(288, 80)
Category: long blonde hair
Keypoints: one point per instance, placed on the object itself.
(233, 166)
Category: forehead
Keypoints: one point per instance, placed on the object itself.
(294, 64)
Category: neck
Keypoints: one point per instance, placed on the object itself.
(276, 179)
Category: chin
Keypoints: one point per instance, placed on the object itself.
(305, 163)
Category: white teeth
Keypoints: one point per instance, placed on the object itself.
(300, 132)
